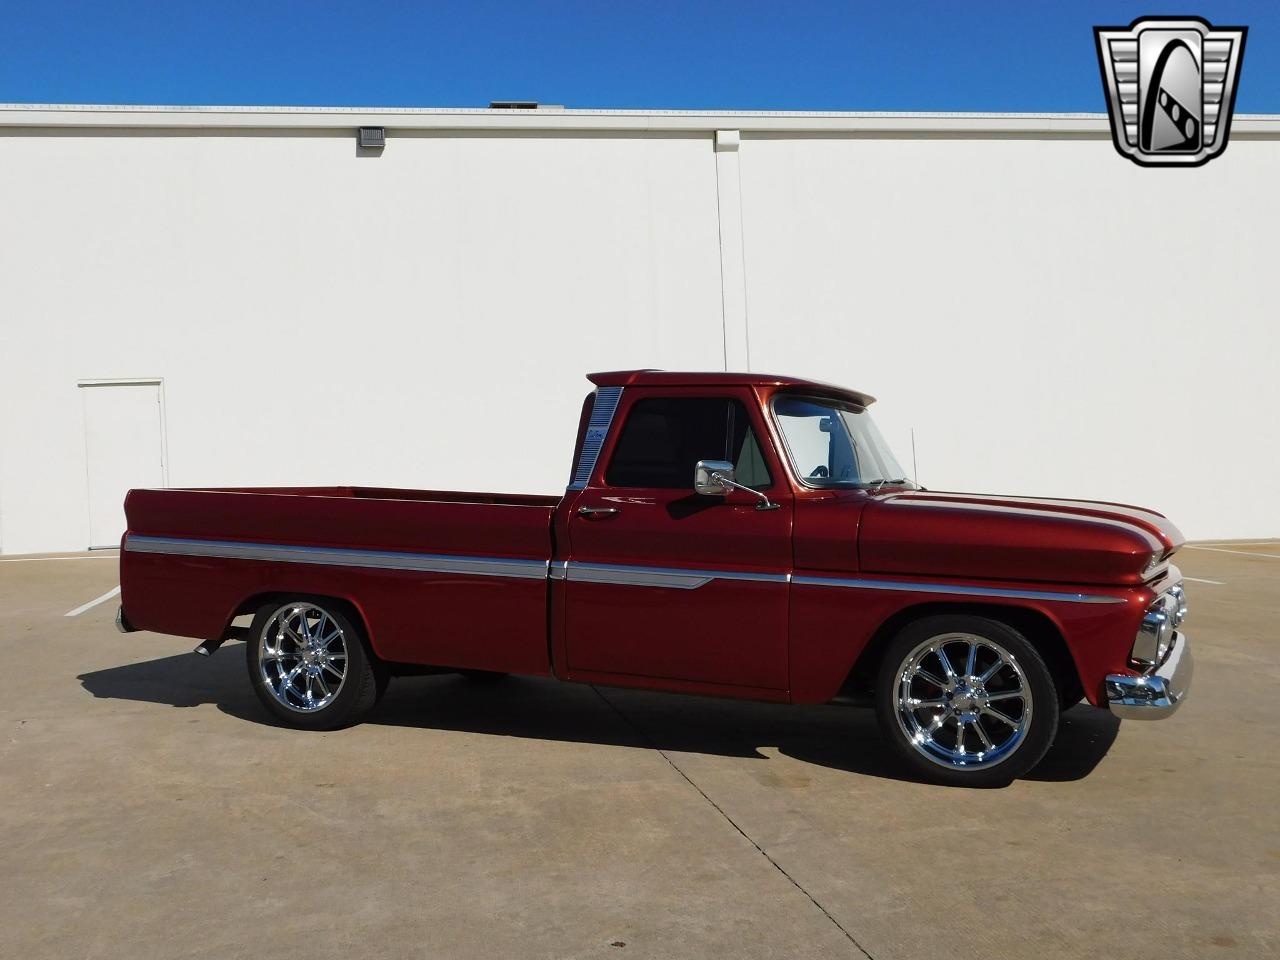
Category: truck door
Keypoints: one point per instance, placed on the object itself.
(667, 584)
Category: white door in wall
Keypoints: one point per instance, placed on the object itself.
(124, 448)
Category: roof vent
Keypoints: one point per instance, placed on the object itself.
(513, 104)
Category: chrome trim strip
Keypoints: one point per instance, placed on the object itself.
(676, 578)
(954, 588)
(635, 576)
(673, 577)
(602, 411)
(340, 557)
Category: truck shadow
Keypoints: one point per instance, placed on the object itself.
(842, 738)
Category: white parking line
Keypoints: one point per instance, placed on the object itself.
(1243, 553)
(92, 556)
(113, 592)
(1220, 583)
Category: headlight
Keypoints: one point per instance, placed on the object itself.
(1151, 645)
(1180, 596)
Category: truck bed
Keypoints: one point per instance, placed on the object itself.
(415, 565)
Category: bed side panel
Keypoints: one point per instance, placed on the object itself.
(414, 616)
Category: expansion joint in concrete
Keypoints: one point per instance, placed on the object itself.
(648, 740)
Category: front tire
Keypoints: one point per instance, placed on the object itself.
(966, 701)
(309, 665)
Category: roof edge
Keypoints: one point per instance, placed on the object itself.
(126, 116)
(689, 378)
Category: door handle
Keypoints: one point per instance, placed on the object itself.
(590, 512)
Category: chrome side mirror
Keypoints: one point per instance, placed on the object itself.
(715, 478)
(710, 476)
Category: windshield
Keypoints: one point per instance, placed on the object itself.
(833, 443)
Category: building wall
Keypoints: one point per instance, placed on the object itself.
(423, 318)
(1045, 315)
(1041, 315)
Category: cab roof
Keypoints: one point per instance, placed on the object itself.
(677, 378)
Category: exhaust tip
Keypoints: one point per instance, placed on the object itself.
(208, 648)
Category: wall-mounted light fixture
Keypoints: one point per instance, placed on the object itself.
(374, 138)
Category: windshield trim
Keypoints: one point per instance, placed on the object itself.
(786, 447)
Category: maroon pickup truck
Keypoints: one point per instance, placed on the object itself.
(734, 535)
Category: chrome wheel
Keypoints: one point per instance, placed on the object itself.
(302, 657)
(963, 701)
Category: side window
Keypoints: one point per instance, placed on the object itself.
(750, 466)
(663, 438)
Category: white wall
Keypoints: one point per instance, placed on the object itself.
(1044, 314)
(320, 317)
(1049, 320)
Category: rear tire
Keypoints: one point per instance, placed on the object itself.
(309, 664)
(965, 701)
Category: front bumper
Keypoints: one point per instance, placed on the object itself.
(1155, 695)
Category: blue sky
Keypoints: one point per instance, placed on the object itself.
(748, 55)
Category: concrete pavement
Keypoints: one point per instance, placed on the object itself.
(148, 809)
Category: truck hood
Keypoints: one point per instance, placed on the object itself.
(1013, 538)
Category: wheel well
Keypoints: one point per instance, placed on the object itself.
(251, 605)
(1031, 623)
